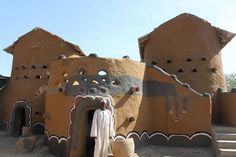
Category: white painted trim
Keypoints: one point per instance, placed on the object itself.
(159, 133)
(20, 101)
(59, 139)
(145, 133)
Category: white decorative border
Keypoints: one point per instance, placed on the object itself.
(59, 139)
(117, 137)
(92, 97)
(149, 136)
(30, 111)
(159, 133)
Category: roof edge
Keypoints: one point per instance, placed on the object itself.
(10, 49)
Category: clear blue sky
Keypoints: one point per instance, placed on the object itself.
(109, 28)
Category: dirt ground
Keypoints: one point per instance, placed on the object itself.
(8, 149)
(159, 151)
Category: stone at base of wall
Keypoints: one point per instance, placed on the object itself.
(25, 144)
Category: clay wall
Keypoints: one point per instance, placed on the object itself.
(175, 107)
(33, 54)
(63, 73)
(188, 47)
(227, 108)
(153, 107)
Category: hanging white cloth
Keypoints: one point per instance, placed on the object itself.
(102, 129)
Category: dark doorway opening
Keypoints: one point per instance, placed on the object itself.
(20, 120)
(20, 117)
(90, 141)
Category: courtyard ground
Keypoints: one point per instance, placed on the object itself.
(8, 149)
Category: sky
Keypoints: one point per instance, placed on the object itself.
(109, 28)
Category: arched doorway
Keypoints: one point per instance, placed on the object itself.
(80, 143)
(20, 116)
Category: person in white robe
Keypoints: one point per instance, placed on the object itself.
(102, 130)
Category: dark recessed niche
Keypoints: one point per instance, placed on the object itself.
(48, 76)
(168, 61)
(37, 112)
(188, 59)
(60, 90)
(194, 70)
(103, 90)
(213, 70)
(82, 72)
(26, 77)
(92, 91)
(116, 82)
(38, 76)
(180, 71)
(154, 63)
(64, 73)
(203, 59)
(44, 66)
(95, 82)
(24, 67)
(33, 66)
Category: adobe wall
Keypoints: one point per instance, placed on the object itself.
(227, 108)
(179, 109)
(188, 47)
(64, 74)
(33, 54)
(162, 107)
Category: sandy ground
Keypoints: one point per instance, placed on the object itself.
(8, 148)
(159, 151)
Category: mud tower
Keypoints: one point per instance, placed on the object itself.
(24, 96)
(188, 47)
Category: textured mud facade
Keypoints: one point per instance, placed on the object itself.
(226, 107)
(55, 88)
(188, 47)
(32, 56)
(162, 104)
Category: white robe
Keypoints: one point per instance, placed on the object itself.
(102, 129)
